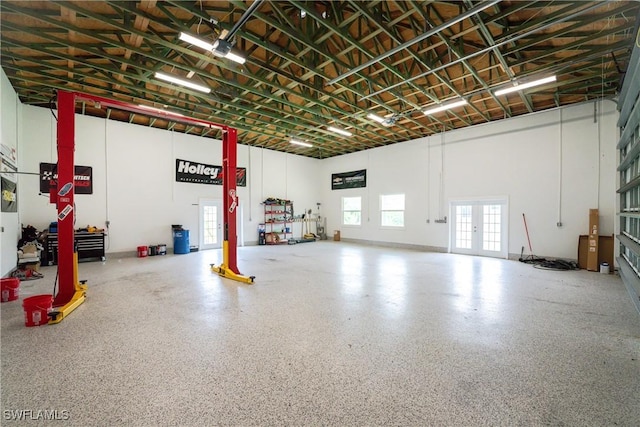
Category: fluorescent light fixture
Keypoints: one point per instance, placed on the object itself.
(384, 121)
(445, 107)
(159, 110)
(375, 118)
(523, 86)
(339, 131)
(302, 143)
(196, 41)
(235, 58)
(220, 48)
(185, 83)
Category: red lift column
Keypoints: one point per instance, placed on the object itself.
(65, 203)
(229, 267)
(70, 293)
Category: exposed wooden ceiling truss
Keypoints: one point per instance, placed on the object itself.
(314, 64)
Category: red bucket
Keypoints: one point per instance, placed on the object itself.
(36, 309)
(143, 251)
(10, 288)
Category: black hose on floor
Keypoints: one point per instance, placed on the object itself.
(553, 264)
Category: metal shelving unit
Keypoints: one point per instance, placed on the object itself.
(278, 222)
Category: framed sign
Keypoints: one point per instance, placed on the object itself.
(355, 179)
(202, 173)
(82, 178)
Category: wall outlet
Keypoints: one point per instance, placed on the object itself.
(558, 224)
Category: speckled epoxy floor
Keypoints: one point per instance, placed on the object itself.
(330, 334)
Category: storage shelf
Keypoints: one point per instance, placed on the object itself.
(277, 231)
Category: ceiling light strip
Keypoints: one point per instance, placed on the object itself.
(339, 131)
(186, 83)
(236, 58)
(444, 107)
(375, 118)
(301, 143)
(159, 110)
(220, 48)
(523, 86)
(188, 38)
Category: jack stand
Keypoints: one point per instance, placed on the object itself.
(224, 271)
(80, 294)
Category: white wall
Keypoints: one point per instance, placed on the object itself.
(9, 221)
(552, 166)
(134, 184)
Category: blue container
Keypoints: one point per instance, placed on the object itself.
(181, 242)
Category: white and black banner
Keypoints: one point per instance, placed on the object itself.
(82, 178)
(202, 173)
(355, 179)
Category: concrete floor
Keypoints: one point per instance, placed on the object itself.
(331, 334)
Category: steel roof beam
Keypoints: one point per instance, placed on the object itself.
(179, 65)
(485, 50)
(424, 36)
(161, 97)
(309, 44)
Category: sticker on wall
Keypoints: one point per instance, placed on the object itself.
(355, 179)
(82, 178)
(65, 212)
(202, 173)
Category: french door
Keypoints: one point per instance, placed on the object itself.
(210, 224)
(479, 227)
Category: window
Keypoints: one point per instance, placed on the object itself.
(392, 210)
(352, 210)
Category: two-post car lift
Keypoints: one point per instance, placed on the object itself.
(72, 292)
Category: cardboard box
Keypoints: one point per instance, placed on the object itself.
(594, 227)
(336, 236)
(594, 222)
(605, 250)
(272, 238)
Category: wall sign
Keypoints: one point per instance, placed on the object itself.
(202, 173)
(82, 179)
(355, 179)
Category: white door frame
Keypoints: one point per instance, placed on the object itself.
(477, 226)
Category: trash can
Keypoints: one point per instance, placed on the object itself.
(181, 241)
(262, 234)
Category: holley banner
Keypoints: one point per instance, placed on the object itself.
(202, 173)
(82, 178)
(355, 179)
